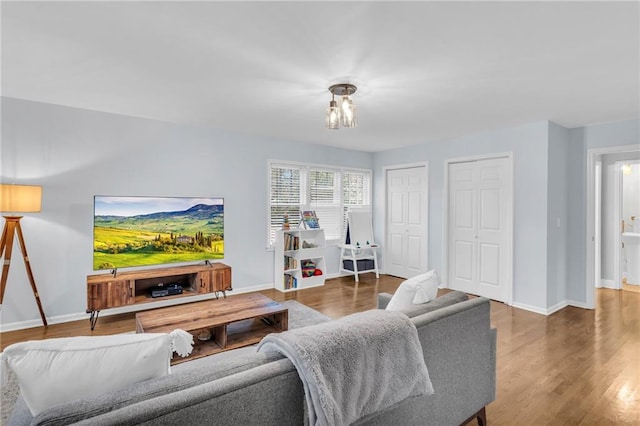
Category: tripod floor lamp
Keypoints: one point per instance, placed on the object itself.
(18, 199)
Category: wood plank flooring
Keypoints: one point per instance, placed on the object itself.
(631, 287)
(575, 367)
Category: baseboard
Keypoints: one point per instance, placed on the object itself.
(21, 325)
(557, 307)
(582, 305)
(125, 309)
(530, 308)
(609, 284)
(552, 309)
(542, 311)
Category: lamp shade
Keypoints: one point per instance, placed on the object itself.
(20, 198)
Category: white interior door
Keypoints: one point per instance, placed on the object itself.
(480, 227)
(463, 248)
(406, 242)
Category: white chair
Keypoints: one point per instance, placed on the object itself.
(358, 253)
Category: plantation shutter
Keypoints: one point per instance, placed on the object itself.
(329, 192)
(356, 188)
(356, 191)
(324, 198)
(287, 196)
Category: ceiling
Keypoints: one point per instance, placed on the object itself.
(425, 71)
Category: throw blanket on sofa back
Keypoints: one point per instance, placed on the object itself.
(355, 366)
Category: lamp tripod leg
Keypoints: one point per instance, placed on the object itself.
(3, 240)
(30, 273)
(6, 247)
(11, 227)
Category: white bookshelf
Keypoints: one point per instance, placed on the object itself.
(297, 252)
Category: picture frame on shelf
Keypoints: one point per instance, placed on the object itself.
(309, 219)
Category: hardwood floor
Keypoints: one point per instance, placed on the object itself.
(575, 367)
(631, 287)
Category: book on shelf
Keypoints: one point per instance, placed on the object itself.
(290, 282)
(290, 262)
(309, 219)
(291, 242)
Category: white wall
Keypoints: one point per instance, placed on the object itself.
(612, 134)
(75, 154)
(529, 145)
(577, 204)
(557, 215)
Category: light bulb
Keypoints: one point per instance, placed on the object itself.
(348, 113)
(345, 104)
(332, 119)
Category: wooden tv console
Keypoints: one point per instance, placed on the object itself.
(132, 287)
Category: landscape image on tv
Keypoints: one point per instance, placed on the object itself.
(141, 231)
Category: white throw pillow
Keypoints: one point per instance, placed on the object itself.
(415, 291)
(427, 288)
(54, 371)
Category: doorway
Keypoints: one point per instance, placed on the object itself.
(406, 220)
(629, 172)
(604, 233)
(480, 226)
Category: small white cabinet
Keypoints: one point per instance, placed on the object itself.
(299, 259)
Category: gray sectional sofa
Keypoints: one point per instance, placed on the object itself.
(244, 387)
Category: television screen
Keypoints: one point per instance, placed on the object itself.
(140, 231)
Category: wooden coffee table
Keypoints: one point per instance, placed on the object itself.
(233, 322)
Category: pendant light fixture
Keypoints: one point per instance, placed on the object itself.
(345, 114)
(333, 114)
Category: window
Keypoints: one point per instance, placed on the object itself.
(356, 192)
(287, 196)
(329, 191)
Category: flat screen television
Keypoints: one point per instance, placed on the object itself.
(142, 231)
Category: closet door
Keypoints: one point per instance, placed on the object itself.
(480, 227)
(406, 242)
(463, 250)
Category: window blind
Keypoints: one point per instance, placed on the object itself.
(329, 192)
(287, 197)
(325, 200)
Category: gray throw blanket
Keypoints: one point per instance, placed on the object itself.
(355, 366)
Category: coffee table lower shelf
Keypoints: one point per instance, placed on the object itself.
(232, 323)
(238, 334)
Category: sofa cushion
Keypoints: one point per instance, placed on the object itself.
(54, 371)
(183, 376)
(448, 299)
(414, 291)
